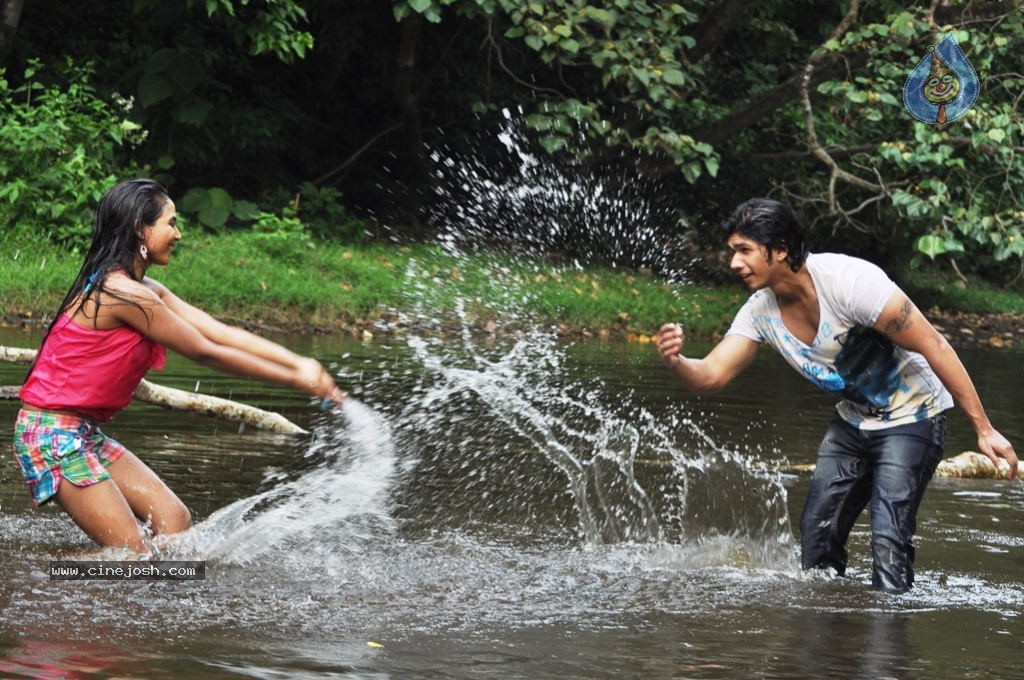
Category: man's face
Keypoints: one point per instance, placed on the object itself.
(751, 263)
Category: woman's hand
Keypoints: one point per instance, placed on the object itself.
(314, 380)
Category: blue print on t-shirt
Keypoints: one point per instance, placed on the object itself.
(868, 367)
(824, 378)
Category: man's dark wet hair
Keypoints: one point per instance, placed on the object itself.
(770, 223)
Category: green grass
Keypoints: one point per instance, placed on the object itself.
(950, 293)
(34, 279)
(240, 278)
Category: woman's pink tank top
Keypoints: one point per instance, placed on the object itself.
(90, 372)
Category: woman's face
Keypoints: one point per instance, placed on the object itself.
(161, 236)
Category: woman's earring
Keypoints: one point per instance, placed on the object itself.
(144, 251)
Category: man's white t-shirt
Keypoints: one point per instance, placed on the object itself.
(882, 384)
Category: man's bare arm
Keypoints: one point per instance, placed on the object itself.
(904, 324)
(714, 371)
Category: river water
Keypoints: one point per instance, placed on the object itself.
(515, 509)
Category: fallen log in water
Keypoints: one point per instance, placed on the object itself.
(968, 465)
(17, 355)
(217, 407)
(974, 465)
(180, 400)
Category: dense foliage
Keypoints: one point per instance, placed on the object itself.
(291, 114)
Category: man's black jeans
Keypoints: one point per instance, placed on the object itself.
(890, 468)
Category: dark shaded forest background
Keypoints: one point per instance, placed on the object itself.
(333, 120)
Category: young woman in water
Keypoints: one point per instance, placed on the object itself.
(114, 325)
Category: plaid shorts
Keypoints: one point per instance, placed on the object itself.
(51, 447)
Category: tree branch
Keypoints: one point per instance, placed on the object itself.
(798, 156)
(181, 400)
(740, 119)
(496, 48)
(715, 25)
(839, 152)
(812, 138)
(980, 11)
(766, 103)
(359, 152)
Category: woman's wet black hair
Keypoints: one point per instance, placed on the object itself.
(121, 216)
(770, 223)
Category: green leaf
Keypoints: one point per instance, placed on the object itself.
(420, 6)
(996, 135)
(601, 16)
(553, 143)
(599, 59)
(245, 210)
(154, 88)
(535, 42)
(539, 121)
(186, 71)
(691, 172)
(931, 245)
(194, 200)
(570, 45)
(193, 111)
(217, 211)
(674, 77)
(712, 164)
(642, 75)
(952, 245)
(890, 152)
(577, 109)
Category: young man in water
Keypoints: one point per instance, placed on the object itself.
(845, 326)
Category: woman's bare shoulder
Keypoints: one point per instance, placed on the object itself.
(121, 288)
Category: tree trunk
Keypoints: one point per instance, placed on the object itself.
(406, 95)
(968, 465)
(973, 465)
(715, 25)
(225, 409)
(180, 400)
(10, 16)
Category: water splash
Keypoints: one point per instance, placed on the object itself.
(555, 425)
(345, 494)
(490, 423)
(519, 198)
(498, 422)
(510, 435)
